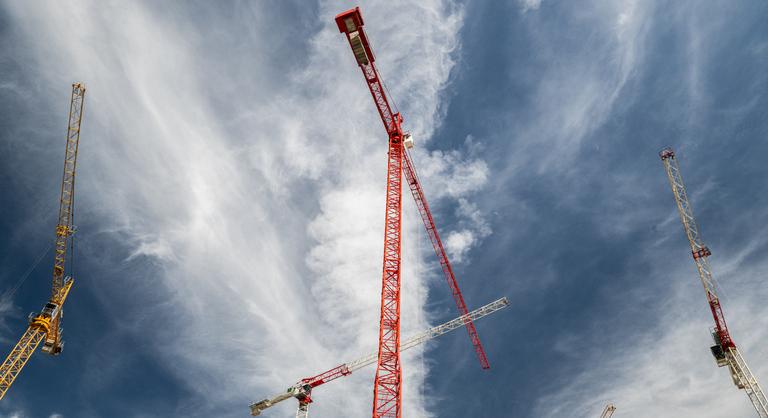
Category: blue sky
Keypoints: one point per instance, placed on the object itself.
(231, 184)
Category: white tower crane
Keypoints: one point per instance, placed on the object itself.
(303, 389)
(725, 351)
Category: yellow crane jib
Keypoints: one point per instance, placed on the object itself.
(38, 330)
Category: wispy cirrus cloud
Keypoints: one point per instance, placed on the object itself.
(582, 81)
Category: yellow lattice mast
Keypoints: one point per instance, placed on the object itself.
(45, 325)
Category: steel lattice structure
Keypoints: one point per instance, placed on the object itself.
(725, 351)
(46, 326)
(66, 205)
(19, 356)
(303, 389)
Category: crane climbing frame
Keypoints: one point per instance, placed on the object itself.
(724, 350)
(45, 326)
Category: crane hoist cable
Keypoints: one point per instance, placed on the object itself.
(12, 291)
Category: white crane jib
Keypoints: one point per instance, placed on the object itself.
(303, 389)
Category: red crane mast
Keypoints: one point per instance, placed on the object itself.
(387, 394)
(386, 391)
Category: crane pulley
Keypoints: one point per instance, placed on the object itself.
(45, 326)
(724, 349)
(302, 390)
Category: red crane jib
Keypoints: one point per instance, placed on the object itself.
(325, 377)
(437, 244)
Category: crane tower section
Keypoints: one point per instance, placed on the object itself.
(64, 228)
(724, 350)
(386, 392)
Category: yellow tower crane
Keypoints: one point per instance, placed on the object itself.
(45, 326)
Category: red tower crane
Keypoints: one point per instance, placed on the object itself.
(387, 394)
(725, 351)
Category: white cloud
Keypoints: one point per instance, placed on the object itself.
(458, 243)
(264, 207)
(452, 174)
(530, 4)
(474, 228)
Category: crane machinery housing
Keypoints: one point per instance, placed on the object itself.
(45, 326)
(302, 390)
(724, 349)
(387, 384)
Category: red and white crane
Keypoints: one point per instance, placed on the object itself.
(387, 385)
(303, 389)
(725, 351)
